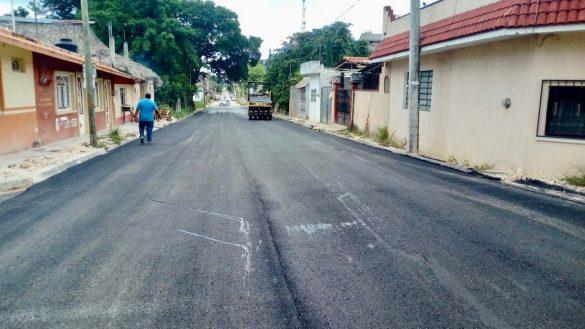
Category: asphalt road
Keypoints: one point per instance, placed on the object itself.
(230, 223)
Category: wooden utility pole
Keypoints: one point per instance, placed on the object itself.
(413, 77)
(88, 74)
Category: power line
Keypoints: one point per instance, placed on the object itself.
(346, 11)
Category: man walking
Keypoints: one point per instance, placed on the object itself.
(145, 114)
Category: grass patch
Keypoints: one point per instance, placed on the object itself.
(181, 114)
(345, 132)
(483, 167)
(578, 179)
(115, 136)
(452, 160)
(385, 138)
(200, 105)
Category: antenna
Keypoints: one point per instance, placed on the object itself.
(304, 22)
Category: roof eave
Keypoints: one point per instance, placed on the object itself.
(483, 38)
(54, 52)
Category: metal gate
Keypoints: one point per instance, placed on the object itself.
(326, 104)
(343, 107)
(303, 102)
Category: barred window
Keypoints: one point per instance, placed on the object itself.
(565, 109)
(63, 92)
(425, 90)
(313, 95)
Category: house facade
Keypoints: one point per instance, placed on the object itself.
(502, 84)
(43, 94)
(312, 97)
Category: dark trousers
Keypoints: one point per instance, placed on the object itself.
(149, 125)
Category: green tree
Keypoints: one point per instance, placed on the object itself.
(21, 12)
(257, 73)
(176, 38)
(60, 9)
(328, 44)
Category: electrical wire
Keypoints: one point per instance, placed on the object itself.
(346, 11)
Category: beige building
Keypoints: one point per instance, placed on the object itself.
(43, 97)
(502, 84)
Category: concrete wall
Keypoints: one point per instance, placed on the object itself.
(432, 13)
(371, 111)
(18, 121)
(54, 126)
(467, 119)
(130, 97)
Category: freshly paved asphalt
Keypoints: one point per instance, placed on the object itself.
(230, 223)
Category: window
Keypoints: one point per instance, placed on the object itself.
(313, 95)
(63, 90)
(123, 99)
(425, 90)
(98, 94)
(387, 85)
(565, 109)
(18, 65)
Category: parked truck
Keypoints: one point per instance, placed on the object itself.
(259, 102)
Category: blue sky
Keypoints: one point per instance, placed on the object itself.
(274, 20)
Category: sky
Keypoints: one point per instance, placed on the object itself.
(275, 20)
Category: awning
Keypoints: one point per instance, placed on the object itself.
(303, 83)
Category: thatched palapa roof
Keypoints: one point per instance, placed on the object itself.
(52, 31)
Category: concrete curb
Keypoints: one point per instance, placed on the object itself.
(14, 188)
(15, 184)
(574, 197)
(64, 166)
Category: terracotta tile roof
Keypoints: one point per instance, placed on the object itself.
(499, 15)
(357, 60)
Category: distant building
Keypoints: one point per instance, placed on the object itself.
(373, 39)
(312, 97)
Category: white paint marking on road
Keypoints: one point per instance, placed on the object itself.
(310, 229)
(245, 254)
(244, 224)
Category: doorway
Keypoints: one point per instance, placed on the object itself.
(80, 106)
(108, 102)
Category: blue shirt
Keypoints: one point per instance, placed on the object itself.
(147, 108)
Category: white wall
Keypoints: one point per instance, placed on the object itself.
(314, 107)
(467, 120)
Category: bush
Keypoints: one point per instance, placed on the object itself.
(115, 136)
(383, 134)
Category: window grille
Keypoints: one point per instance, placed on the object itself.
(63, 90)
(425, 90)
(562, 109)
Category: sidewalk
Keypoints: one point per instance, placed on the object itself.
(21, 170)
(543, 185)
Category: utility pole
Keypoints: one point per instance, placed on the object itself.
(413, 77)
(88, 73)
(304, 22)
(36, 19)
(13, 19)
